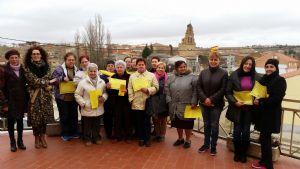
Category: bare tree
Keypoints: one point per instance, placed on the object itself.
(93, 38)
(77, 44)
(108, 44)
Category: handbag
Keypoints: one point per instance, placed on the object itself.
(157, 105)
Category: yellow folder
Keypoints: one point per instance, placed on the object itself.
(67, 87)
(259, 91)
(243, 96)
(192, 113)
(122, 90)
(139, 83)
(94, 95)
(116, 83)
(107, 73)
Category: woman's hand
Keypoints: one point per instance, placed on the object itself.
(239, 104)
(145, 90)
(193, 106)
(101, 99)
(108, 85)
(66, 79)
(256, 102)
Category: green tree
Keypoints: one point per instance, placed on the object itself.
(146, 51)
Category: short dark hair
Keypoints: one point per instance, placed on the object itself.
(140, 60)
(11, 52)
(155, 57)
(127, 57)
(82, 57)
(69, 54)
(179, 63)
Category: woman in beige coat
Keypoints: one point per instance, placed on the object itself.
(91, 116)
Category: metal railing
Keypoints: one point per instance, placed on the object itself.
(288, 139)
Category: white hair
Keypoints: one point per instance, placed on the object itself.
(92, 66)
(120, 62)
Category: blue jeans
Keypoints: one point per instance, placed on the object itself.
(211, 117)
(241, 130)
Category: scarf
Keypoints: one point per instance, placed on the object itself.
(16, 69)
(164, 75)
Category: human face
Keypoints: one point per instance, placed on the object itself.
(154, 63)
(128, 62)
(120, 69)
(70, 61)
(247, 66)
(133, 63)
(214, 61)
(160, 69)
(269, 68)
(36, 55)
(14, 60)
(110, 67)
(182, 69)
(84, 63)
(92, 73)
(141, 67)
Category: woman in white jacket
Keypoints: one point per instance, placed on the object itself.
(91, 115)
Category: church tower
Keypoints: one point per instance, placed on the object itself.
(187, 44)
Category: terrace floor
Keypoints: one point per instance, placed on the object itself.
(74, 154)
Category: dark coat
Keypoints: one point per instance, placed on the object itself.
(268, 118)
(233, 84)
(158, 104)
(15, 92)
(211, 84)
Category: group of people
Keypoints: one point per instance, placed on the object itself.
(127, 111)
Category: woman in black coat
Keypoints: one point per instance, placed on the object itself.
(240, 113)
(122, 128)
(269, 113)
(17, 97)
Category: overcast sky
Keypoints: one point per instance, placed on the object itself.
(215, 22)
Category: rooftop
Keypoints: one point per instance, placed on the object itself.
(74, 154)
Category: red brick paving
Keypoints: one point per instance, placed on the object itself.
(74, 154)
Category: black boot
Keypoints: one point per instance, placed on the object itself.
(21, 144)
(244, 150)
(237, 151)
(13, 147)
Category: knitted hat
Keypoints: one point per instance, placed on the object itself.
(274, 62)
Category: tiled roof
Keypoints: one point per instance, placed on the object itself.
(283, 59)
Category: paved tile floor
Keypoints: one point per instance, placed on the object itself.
(74, 154)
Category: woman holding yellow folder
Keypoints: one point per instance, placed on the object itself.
(121, 106)
(180, 93)
(90, 95)
(240, 109)
(268, 119)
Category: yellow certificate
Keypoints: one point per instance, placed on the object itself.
(140, 83)
(107, 73)
(259, 91)
(94, 95)
(244, 97)
(192, 113)
(116, 83)
(122, 90)
(67, 87)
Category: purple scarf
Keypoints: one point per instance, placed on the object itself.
(16, 69)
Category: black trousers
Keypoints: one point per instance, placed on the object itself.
(266, 150)
(108, 119)
(144, 125)
(68, 117)
(241, 131)
(11, 128)
(91, 128)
